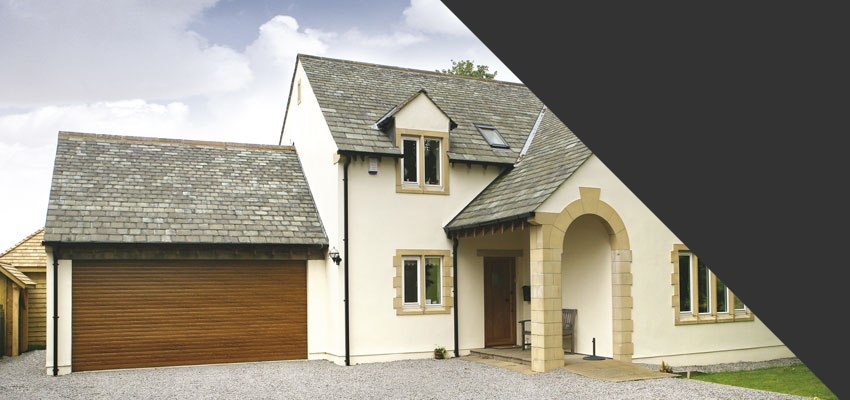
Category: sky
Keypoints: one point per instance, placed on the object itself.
(190, 69)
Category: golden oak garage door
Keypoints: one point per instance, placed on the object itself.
(128, 314)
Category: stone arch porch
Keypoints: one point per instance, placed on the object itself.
(546, 237)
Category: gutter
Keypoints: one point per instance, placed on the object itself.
(55, 313)
(454, 285)
(347, 257)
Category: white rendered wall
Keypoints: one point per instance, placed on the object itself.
(586, 284)
(421, 113)
(655, 335)
(64, 334)
(381, 222)
(305, 127)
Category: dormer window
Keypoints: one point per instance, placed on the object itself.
(423, 165)
(492, 136)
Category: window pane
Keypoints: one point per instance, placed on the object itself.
(739, 305)
(492, 137)
(684, 283)
(432, 162)
(722, 305)
(411, 173)
(702, 286)
(433, 283)
(411, 280)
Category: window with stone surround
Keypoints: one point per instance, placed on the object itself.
(698, 296)
(422, 282)
(424, 165)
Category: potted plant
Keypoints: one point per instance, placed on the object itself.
(440, 352)
(665, 368)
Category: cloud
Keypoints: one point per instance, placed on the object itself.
(432, 16)
(99, 77)
(393, 40)
(69, 52)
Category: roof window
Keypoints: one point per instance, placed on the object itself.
(492, 136)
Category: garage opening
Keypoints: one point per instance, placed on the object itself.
(129, 314)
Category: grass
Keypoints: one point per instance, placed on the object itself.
(793, 379)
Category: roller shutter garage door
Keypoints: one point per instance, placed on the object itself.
(128, 314)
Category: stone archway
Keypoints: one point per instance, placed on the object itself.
(546, 248)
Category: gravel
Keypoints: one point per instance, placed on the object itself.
(24, 377)
(737, 366)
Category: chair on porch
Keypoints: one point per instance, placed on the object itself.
(568, 318)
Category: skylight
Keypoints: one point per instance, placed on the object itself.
(492, 136)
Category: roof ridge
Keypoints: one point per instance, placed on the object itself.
(188, 142)
(16, 245)
(341, 61)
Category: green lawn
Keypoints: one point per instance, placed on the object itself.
(793, 379)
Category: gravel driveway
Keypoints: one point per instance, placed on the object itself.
(24, 377)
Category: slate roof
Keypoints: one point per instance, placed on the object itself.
(353, 96)
(16, 276)
(28, 252)
(553, 155)
(120, 189)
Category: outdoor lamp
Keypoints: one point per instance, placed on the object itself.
(334, 255)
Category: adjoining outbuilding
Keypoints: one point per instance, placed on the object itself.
(14, 288)
(174, 252)
(28, 257)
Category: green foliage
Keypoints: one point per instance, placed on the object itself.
(467, 68)
(793, 379)
(665, 368)
(440, 350)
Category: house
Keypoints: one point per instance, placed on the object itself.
(458, 192)
(14, 308)
(419, 209)
(28, 257)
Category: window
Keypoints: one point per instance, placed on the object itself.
(739, 306)
(722, 297)
(492, 136)
(299, 92)
(410, 161)
(699, 297)
(432, 162)
(703, 293)
(424, 164)
(423, 283)
(685, 283)
(411, 281)
(433, 281)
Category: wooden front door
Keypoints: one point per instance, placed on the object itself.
(499, 301)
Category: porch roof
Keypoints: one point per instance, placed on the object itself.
(16, 276)
(554, 153)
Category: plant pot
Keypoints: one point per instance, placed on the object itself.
(438, 355)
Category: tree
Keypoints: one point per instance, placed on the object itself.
(467, 68)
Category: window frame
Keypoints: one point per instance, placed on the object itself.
(439, 184)
(425, 280)
(418, 169)
(708, 288)
(481, 129)
(694, 316)
(690, 283)
(446, 282)
(418, 303)
(420, 136)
